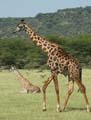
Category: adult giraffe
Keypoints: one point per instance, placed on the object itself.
(59, 62)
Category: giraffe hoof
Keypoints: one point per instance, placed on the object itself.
(63, 109)
(88, 110)
(44, 110)
(59, 110)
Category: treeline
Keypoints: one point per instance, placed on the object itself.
(25, 54)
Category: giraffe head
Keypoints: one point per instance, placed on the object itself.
(12, 68)
(21, 26)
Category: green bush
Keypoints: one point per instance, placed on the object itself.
(25, 54)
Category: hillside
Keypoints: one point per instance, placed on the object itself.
(67, 22)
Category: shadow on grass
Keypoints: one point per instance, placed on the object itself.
(75, 109)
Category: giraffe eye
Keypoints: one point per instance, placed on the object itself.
(21, 27)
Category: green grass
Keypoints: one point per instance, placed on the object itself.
(16, 106)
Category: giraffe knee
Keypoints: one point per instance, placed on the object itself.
(70, 91)
(44, 88)
(83, 89)
(71, 88)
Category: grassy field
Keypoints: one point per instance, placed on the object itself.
(16, 106)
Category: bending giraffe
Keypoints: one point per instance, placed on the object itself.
(59, 62)
(25, 84)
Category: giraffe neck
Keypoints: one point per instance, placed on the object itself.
(19, 75)
(45, 45)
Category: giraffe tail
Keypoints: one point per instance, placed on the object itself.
(80, 75)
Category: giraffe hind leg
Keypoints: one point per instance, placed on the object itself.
(83, 90)
(70, 91)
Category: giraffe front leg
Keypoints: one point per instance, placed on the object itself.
(46, 83)
(57, 94)
(24, 90)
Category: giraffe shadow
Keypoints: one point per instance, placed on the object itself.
(75, 109)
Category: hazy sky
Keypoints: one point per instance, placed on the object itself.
(29, 8)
